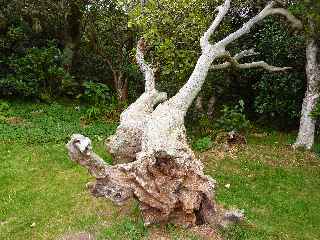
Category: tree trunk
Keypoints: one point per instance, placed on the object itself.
(164, 174)
(126, 142)
(211, 106)
(72, 36)
(307, 123)
(199, 104)
(121, 85)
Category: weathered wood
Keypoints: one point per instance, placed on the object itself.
(164, 176)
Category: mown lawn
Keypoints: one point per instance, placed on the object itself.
(43, 194)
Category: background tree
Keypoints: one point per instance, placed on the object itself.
(266, 95)
(307, 122)
(108, 35)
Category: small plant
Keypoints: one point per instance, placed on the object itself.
(203, 144)
(4, 107)
(96, 93)
(233, 118)
(99, 97)
(315, 114)
(93, 113)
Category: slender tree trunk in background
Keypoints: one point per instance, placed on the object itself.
(307, 124)
(121, 85)
(199, 104)
(164, 174)
(211, 105)
(72, 36)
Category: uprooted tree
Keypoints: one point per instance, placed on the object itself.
(161, 170)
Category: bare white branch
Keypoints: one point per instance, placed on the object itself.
(245, 53)
(284, 12)
(268, 10)
(146, 69)
(221, 66)
(261, 64)
(210, 52)
(222, 11)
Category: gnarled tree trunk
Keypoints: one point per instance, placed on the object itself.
(307, 123)
(164, 175)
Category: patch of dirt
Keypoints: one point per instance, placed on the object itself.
(220, 152)
(276, 156)
(78, 236)
(206, 232)
(15, 120)
(156, 233)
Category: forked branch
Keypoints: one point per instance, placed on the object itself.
(233, 62)
(222, 11)
(184, 98)
(267, 11)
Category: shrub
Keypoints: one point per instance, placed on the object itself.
(38, 73)
(233, 118)
(97, 93)
(100, 98)
(203, 144)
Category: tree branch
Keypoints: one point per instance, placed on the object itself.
(145, 68)
(222, 11)
(245, 53)
(268, 10)
(233, 62)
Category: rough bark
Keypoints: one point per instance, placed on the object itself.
(126, 142)
(307, 123)
(165, 176)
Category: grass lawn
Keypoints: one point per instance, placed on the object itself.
(43, 194)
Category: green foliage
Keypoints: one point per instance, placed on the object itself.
(173, 32)
(100, 99)
(277, 96)
(96, 93)
(4, 106)
(233, 118)
(38, 73)
(315, 114)
(203, 144)
(49, 123)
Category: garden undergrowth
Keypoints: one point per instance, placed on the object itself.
(43, 194)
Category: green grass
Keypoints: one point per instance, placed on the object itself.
(43, 194)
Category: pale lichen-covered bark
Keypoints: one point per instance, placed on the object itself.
(126, 142)
(164, 176)
(307, 123)
(168, 189)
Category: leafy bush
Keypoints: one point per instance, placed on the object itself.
(38, 73)
(97, 93)
(4, 106)
(233, 118)
(100, 99)
(279, 96)
(203, 144)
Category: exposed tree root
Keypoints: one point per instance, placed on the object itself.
(163, 173)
